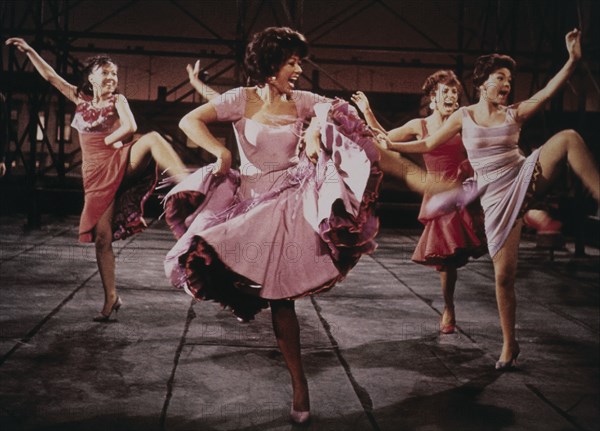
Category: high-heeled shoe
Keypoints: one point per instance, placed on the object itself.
(299, 417)
(101, 317)
(456, 198)
(509, 365)
(447, 328)
(542, 222)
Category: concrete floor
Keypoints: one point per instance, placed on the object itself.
(373, 354)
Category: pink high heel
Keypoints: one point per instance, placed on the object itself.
(450, 200)
(299, 417)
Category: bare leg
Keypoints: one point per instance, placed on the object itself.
(153, 144)
(105, 258)
(416, 179)
(287, 332)
(505, 269)
(448, 277)
(568, 145)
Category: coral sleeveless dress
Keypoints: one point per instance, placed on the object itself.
(501, 171)
(450, 239)
(279, 227)
(103, 170)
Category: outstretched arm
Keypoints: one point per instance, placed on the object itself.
(204, 90)
(450, 128)
(194, 125)
(44, 69)
(530, 106)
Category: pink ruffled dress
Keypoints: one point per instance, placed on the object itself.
(279, 227)
(452, 238)
(103, 170)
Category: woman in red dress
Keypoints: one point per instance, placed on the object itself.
(449, 239)
(118, 177)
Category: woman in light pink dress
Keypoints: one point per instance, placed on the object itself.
(297, 214)
(118, 176)
(506, 179)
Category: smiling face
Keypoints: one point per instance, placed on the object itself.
(496, 88)
(287, 75)
(445, 99)
(104, 78)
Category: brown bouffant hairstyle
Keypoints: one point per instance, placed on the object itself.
(446, 77)
(487, 64)
(269, 50)
(85, 87)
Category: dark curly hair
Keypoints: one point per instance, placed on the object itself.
(85, 87)
(446, 77)
(485, 65)
(269, 50)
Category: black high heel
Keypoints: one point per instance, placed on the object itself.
(101, 317)
(509, 365)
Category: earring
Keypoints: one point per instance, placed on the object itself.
(432, 105)
(271, 78)
(456, 105)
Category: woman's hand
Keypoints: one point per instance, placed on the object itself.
(19, 43)
(223, 163)
(382, 140)
(312, 140)
(573, 41)
(361, 101)
(193, 73)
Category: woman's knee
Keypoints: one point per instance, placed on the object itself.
(570, 136)
(103, 240)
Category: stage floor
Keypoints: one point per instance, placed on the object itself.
(371, 347)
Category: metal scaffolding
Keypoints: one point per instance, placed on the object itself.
(480, 27)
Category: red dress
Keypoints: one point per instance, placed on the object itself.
(450, 239)
(103, 171)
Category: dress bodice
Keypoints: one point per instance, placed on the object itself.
(90, 119)
(447, 158)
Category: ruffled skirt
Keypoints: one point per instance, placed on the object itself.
(297, 239)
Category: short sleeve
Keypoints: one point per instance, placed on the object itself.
(306, 101)
(230, 105)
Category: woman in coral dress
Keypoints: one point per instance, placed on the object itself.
(297, 214)
(449, 239)
(118, 176)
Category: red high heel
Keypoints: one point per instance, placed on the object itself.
(541, 222)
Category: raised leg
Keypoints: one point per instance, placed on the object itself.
(505, 269)
(568, 145)
(287, 332)
(154, 145)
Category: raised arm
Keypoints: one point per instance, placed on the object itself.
(44, 69)
(362, 102)
(528, 107)
(204, 90)
(127, 124)
(194, 125)
(450, 128)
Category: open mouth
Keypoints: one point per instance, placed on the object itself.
(292, 81)
(503, 93)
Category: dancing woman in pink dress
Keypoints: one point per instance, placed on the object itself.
(449, 239)
(118, 176)
(297, 214)
(507, 180)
